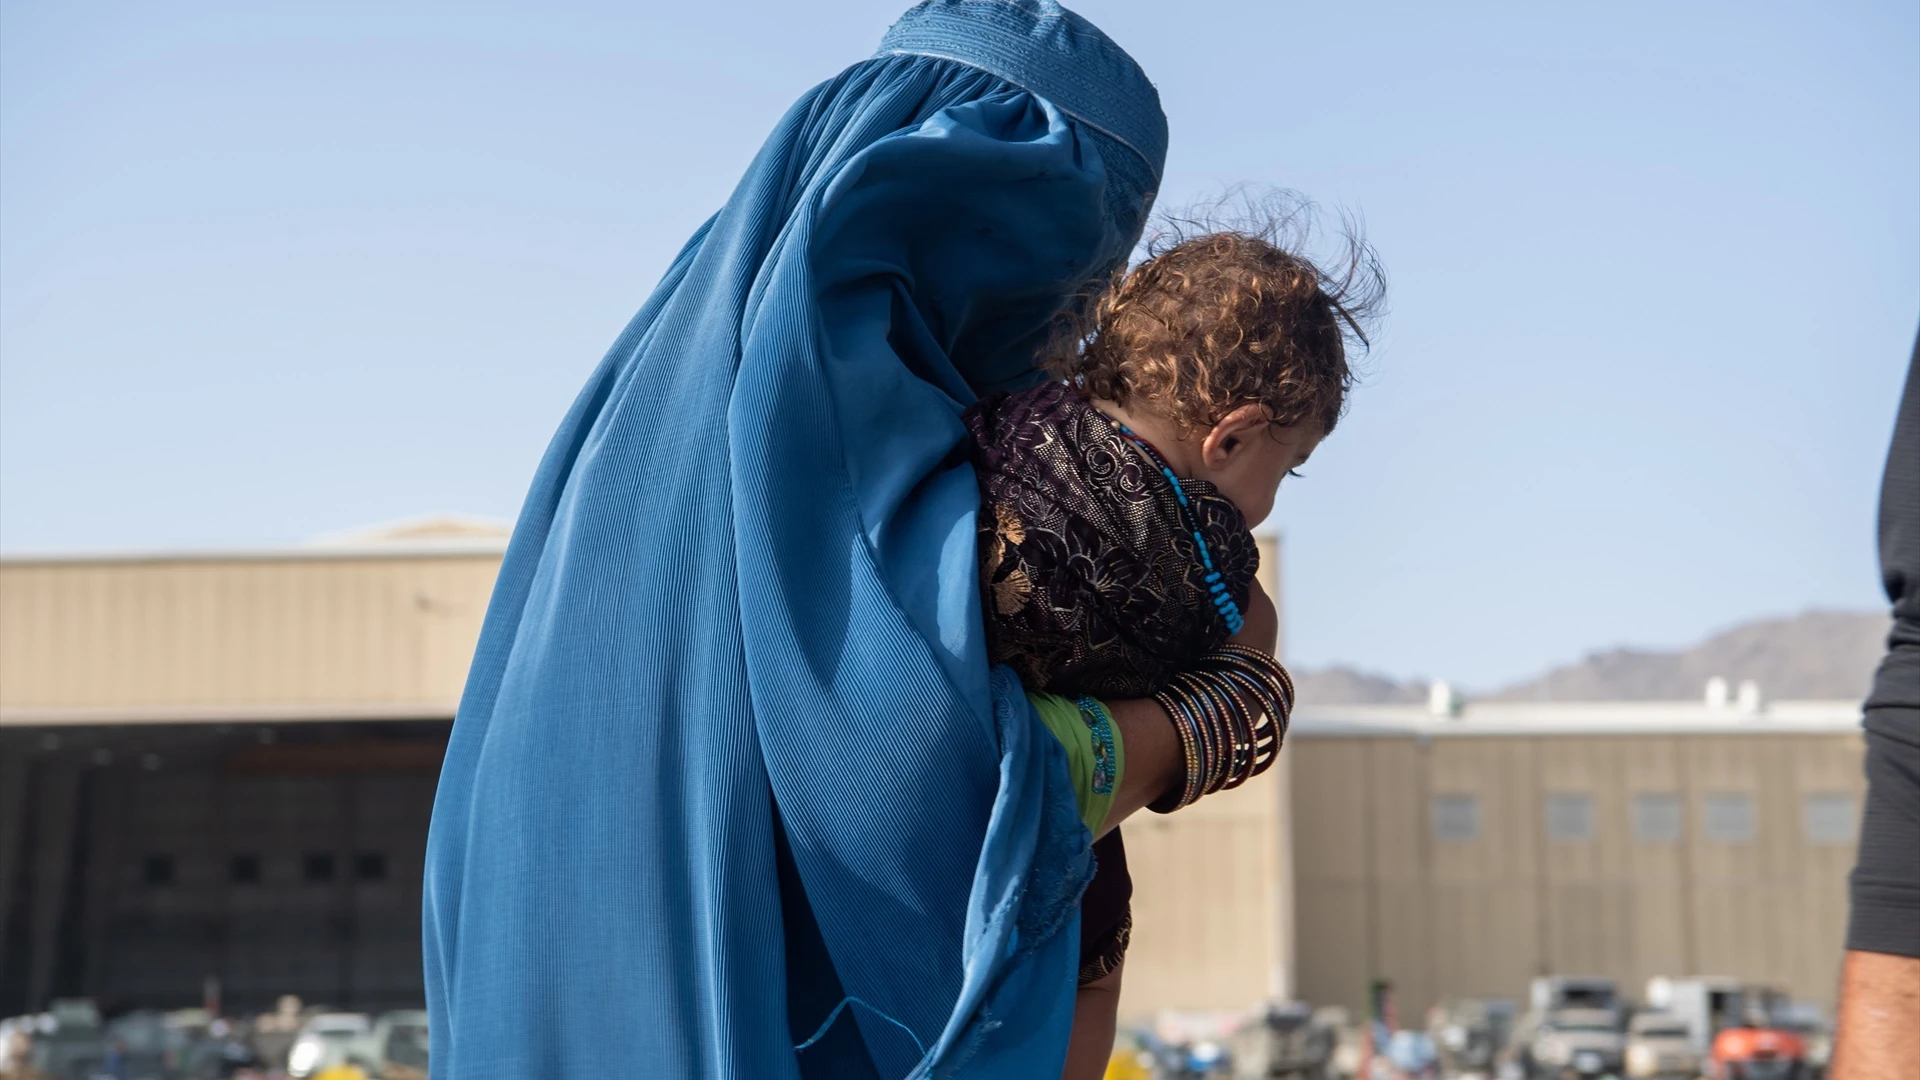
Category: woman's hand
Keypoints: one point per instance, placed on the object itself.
(1260, 626)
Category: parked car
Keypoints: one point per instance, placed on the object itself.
(1660, 1046)
(325, 1041)
(221, 1052)
(145, 1045)
(395, 1048)
(1807, 1021)
(1758, 1053)
(1574, 1043)
(68, 1040)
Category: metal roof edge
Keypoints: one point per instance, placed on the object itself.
(224, 713)
(398, 549)
(1586, 718)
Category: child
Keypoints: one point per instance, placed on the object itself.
(1114, 529)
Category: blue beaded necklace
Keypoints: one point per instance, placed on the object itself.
(1229, 610)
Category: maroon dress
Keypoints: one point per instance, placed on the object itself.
(1091, 582)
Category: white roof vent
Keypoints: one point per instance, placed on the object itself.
(1444, 700)
(1748, 699)
(1718, 694)
(425, 531)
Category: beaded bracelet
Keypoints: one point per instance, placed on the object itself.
(1215, 728)
(1230, 722)
(1100, 722)
(1264, 734)
(1246, 730)
(1231, 713)
(1268, 685)
(1263, 661)
(1184, 726)
(1269, 674)
(1187, 720)
(1246, 762)
(1199, 732)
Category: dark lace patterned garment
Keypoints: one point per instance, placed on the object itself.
(1092, 583)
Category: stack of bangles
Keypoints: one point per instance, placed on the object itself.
(1231, 712)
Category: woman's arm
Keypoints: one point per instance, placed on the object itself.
(1154, 761)
(1096, 1012)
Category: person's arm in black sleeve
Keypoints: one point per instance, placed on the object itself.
(1879, 1018)
(1886, 880)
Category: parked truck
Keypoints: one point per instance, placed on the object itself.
(1705, 1005)
(1575, 1025)
(1551, 993)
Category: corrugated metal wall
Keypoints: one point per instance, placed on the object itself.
(214, 638)
(1207, 906)
(351, 936)
(237, 632)
(1380, 894)
(1210, 912)
(268, 860)
(1335, 850)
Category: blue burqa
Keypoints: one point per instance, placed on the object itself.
(733, 791)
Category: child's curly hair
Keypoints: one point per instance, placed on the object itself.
(1220, 317)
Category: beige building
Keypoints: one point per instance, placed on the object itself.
(216, 771)
(220, 767)
(1461, 855)
(1460, 852)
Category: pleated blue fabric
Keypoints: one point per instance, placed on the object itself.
(733, 791)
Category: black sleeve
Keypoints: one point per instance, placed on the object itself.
(1886, 880)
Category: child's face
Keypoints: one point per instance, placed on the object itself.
(1246, 457)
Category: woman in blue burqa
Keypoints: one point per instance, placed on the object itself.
(733, 790)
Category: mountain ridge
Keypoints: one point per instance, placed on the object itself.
(1819, 654)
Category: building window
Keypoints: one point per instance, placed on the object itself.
(1729, 817)
(157, 870)
(317, 866)
(370, 866)
(1570, 817)
(244, 869)
(1656, 817)
(1456, 818)
(1827, 817)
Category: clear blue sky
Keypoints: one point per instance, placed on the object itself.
(270, 270)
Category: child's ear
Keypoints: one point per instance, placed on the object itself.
(1230, 434)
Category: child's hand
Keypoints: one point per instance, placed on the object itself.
(1260, 625)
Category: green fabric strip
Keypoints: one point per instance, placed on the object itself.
(1063, 718)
